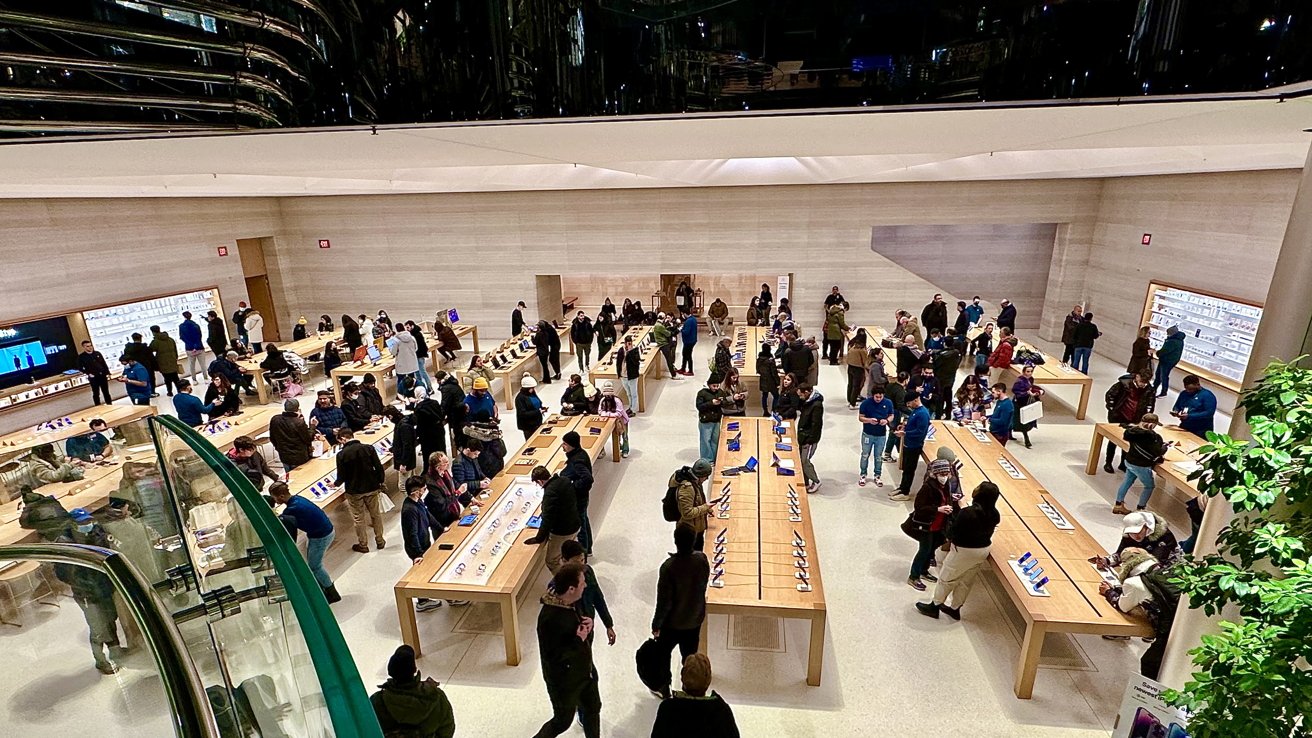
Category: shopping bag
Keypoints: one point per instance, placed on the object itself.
(1031, 412)
(385, 503)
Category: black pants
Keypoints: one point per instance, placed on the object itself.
(432, 446)
(555, 361)
(668, 350)
(686, 640)
(1151, 661)
(170, 381)
(257, 347)
(910, 461)
(699, 543)
(1067, 353)
(566, 703)
(99, 387)
(856, 380)
(585, 354)
(545, 361)
(687, 357)
(833, 349)
(768, 400)
(1111, 452)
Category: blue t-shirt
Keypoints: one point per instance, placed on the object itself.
(139, 373)
(882, 410)
(308, 517)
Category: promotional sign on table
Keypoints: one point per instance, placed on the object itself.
(1144, 714)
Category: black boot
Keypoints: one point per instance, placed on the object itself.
(330, 593)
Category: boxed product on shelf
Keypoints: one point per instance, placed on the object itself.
(111, 328)
(1219, 330)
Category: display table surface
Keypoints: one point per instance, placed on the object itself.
(875, 335)
(1050, 372)
(508, 568)
(462, 331)
(1074, 604)
(1180, 460)
(77, 424)
(649, 367)
(252, 421)
(516, 361)
(746, 347)
(760, 568)
(308, 346)
(306, 479)
(351, 371)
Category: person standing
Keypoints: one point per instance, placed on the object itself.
(1195, 407)
(360, 472)
(430, 423)
(553, 341)
(407, 361)
(680, 600)
(528, 407)
(1006, 316)
(717, 314)
(578, 470)
(565, 648)
(1168, 356)
(542, 347)
(836, 298)
(933, 507)
(582, 331)
(683, 296)
(810, 425)
(137, 379)
(913, 434)
(935, 315)
(1085, 334)
(189, 332)
(945, 363)
(1141, 354)
(835, 331)
(418, 529)
(975, 311)
(981, 346)
(709, 412)
(1000, 360)
(517, 319)
(688, 332)
(971, 539)
(690, 498)
(606, 335)
(143, 355)
(875, 414)
(216, 334)
(628, 364)
(291, 438)
(665, 337)
(696, 711)
(406, 706)
(352, 335)
(92, 590)
(962, 323)
(92, 363)
(254, 330)
(1025, 392)
(896, 391)
(239, 320)
(301, 514)
(421, 354)
(1145, 583)
(767, 379)
(1068, 326)
(1147, 450)
(1127, 401)
(560, 514)
(1003, 418)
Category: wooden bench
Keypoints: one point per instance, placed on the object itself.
(650, 367)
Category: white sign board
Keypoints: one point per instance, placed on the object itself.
(1144, 714)
(783, 289)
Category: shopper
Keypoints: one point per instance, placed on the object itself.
(912, 433)
(188, 407)
(1128, 400)
(1025, 392)
(924, 383)
(968, 405)
(92, 591)
(245, 455)
(935, 315)
(301, 514)
(225, 364)
(717, 314)
(858, 366)
(529, 409)
(593, 602)
(933, 507)
(1147, 450)
(466, 471)
(688, 332)
(798, 359)
(1168, 355)
(137, 378)
(1085, 334)
(611, 406)
(406, 706)
(216, 334)
(578, 470)
(517, 318)
(44, 467)
(357, 413)
(897, 393)
(981, 346)
(709, 400)
(1141, 354)
(970, 535)
(418, 530)
(962, 322)
(553, 340)
(92, 363)
(690, 497)
(1195, 407)
(835, 330)
(606, 334)
(665, 336)
(1000, 360)
(810, 425)
(254, 330)
(565, 648)
(1068, 326)
(945, 363)
(360, 473)
(876, 373)
(1003, 419)
(189, 332)
(787, 403)
(695, 712)
(405, 441)
(767, 372)
(1006, 316)
(1146, 584)
(327, 418)
(680, 599)
(628, 364)
(583, 332)
(876, 415)
(560, 514)
(292, 439)
(222, 396)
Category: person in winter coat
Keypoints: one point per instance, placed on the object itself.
(606, 333)
(688, 332)
(92, 591)
(407, 361)
(447, 343)
(680, 599)
(1146, 451)
(404, 441)
(407, 706)
(666, 337)
(982, 345)
(911, 327)
(292, 439)
(578, 470)
(547, 343)
(1085, 334)
(593, 602)
(216, 334)
(810, 425)
(908, 355)
(933, 507)
(797, 359)
(723, 360)
(753, 316)
(352, 336)
(1000, 360)
(517, 318)
(1024, 391)
(246, 456)
(945, 363)
(1068, 333)
(717, 314)
(560, 514)
(565, 647)
(971, 537)
(357, 411)
(683, 297)
(835, 329)
(688, 483)
(1141, 354)
(583, 332)
(165, 352)
(1168, 355)
(189, 332)
(1147, 531)
(44, 467)
(709, 402)
(575, 399)
(768, 372)
(1006, 316)
(935, 315)
(610, 406)
(1128, 400)
(254, 330)
(1146, 584)
(962, 323)
(528, 407)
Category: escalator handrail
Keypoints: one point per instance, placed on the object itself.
(343, 690)
(192, 717)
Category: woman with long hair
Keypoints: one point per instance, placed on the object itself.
(611, 407)
(858, 364)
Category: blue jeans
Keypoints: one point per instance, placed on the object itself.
(892, 437)
(709, 435)
(421, 378)
(920, 564)
(1080, 360)
(872, 447)
(981, 360)
(1162, 380)
(314, 557)
(1145, 475)
(585, 531)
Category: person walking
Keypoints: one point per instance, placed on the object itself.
(690, 498)
(578, 470)
(1168, 355)
(858, 366)
(406, 706)
(360, 472)
(1195, 407)
(292, 439)
(931, 511)
(528, 407)
(981, 346)
(1025, 392)
(628, 364)
(189, 332)
(767, 372)
(1147, 450)
(1068, 327)
(553, 341)
(876, 415)
(970, 535)
(1141, 354)
(696, 711)
(680, 600)
(935, 315)
(583, 333)
(709, 412)
(689, 335)
(1128, 400)
(593, 602)
(298, 513)
(560, 514)
(912, 433)
(92, 363)
(1085, 334)
(565, 649)
(810, 425)
(542, 346)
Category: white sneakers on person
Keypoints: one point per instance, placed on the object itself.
(879, 482)
(861, 482)
(899, 496)
(424, 605)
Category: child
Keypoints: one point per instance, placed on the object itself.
(611, 407)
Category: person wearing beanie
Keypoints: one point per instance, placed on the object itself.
(1147, 450)
(933, 506)
(290, 437)
(1168, 355)
(480, 406)
(689, 493)
(610, 406)
(709, 412)
(565, 649)
(695, 712)
(528, 407)
(1145, 530)
(407, 706)
(1145, 584)
(92, 590)
(578, 470)
(680, 601)
(575, 399)
(971, 539)
(560, 514)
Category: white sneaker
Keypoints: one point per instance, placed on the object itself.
(861, 482)
(426, 605)
(879, 482)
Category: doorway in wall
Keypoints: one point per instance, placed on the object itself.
(255, 270)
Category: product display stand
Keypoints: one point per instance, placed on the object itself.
(648, 368)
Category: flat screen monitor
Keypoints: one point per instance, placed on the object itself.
(374, 354)
(453, 316)
(36, 350)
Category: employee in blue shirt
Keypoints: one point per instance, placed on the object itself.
(689, 335)
(1004, 412)
(189, 407)
(301, 514)
(975, 311)
(913, 435)
(1195, 407)
(137, 378)
(875, 414)
(92, 446)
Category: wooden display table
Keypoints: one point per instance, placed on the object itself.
(77, 424)
(1050, 372)
(515, 361)
(875, 336)
(497, 571)
(304, 479)
(356, 370)
(759, 563)
(1180, 461)
(746, 347)
(308, 346)
(649, 367)
(1074, 604)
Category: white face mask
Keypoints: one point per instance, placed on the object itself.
(942, 478)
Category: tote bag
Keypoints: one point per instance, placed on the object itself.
(1031, 412)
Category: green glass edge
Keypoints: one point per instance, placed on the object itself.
(343, 690)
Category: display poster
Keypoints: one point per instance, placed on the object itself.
(1144, 714)
(782, 289)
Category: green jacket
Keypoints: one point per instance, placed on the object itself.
(835, 324)
(692, 501)
(165, 351)
(661, 334)
(417, 708)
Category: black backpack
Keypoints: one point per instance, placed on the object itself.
(670, 504)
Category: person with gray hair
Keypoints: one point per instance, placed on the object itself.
(291, 438)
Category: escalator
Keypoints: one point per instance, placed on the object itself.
(203, 618)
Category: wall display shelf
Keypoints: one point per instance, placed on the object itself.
(28, 393)
(111, 327)
(1219, 330)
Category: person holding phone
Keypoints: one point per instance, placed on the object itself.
(693, 505)
(933, 507)
(971, 537)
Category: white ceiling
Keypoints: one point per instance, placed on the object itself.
(798, 147)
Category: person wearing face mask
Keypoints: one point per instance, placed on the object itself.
(975, 311)
(971, 537)
(93, 591)
(933, 507)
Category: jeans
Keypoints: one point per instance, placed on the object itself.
(585, 530)
(1162, 381)
(102, 622)
(585, 355)
(314, 550)
(631, 389)
(421, 378)
(808, 469)
(920, 564)
(957, 575)
(981, 360)
(872, 447)
(1145, 475)
(99, 388)
(1080, 359)
(566, 703)
(709, 440)
(687, 640)
(686, 365)
(910, 460)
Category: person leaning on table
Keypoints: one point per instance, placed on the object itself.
(1146, 584)
(970, 533)
(299, 513)
(560, 514)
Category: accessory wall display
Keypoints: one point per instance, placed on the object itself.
(111, 328)
(1219, 330)
(493, 535)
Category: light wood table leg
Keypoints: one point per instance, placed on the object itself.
(1095, 450)
(383, 391)
(642, 393)
(702, 645)
(816, 656)
(405, 612)
(615, 439)
(1085, 389)
(509, 393)
(510, 628)
(261, 387)
(474, 334)
(1028, 665)
(337, 388)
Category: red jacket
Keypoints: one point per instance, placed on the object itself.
(1001, 356)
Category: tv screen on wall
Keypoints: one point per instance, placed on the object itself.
(35, 350)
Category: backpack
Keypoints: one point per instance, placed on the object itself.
(670, 503)
(44, 514)
(653, 665)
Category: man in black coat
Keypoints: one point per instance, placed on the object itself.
(680, 599)
(361, 472)
(430, 425)
(560, 514)
(797, 360)
(578, 470)
(453, 407)
(566, 653)
(290, 436)
(935, 315)
(1006, 316)
(517, 319)
(945, 363)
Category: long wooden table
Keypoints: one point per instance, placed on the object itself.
(353, 370)
(306, 478)
(519, 564)
(650, 367)
(1074, 604)
(516, 361)
(747, 342)
(1050, 372)
(308, 346)
(757, 551)
(1180, 461)
(77, 424)
(875, 336)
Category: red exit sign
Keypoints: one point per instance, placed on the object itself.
(324, 244)
(1146, 241)
(223, 251)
